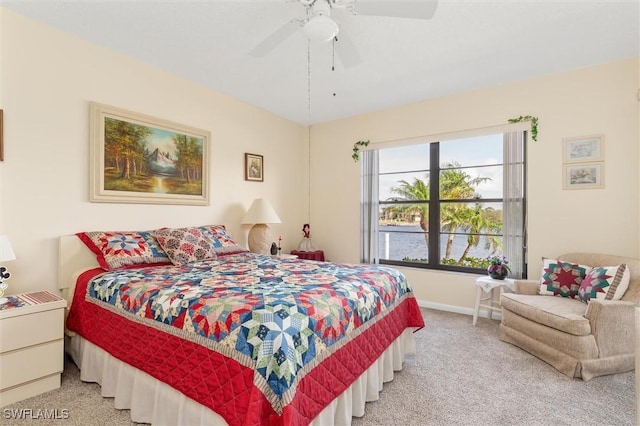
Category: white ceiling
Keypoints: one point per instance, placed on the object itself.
(468, 44)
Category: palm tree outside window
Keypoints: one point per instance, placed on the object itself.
(441, 204)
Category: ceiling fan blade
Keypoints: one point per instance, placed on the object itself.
(346, 50)
(278, 36)
(417, 9)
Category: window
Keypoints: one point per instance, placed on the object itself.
(447, 204)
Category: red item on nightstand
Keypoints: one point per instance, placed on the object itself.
(309, 255)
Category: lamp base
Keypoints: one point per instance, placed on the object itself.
(259, 238)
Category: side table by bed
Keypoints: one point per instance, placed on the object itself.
(31, 345)
(310, 255)
(488, 285)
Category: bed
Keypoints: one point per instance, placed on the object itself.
(235, 338)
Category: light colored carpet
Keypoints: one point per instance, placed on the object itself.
(461, 375)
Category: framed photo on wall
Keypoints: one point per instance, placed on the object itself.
(253, 167)
(584, 175)
(583, 149)
(136, 158)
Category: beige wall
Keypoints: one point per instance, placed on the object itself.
(48, 79)
(600, 99)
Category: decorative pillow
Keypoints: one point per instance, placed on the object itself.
(117, 249)
(605, 283)
(561, 278)
(185, 245)
(223, 243)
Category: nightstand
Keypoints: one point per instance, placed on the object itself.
(286, 256)
(31, 345)
(309, 255)
(488, 284)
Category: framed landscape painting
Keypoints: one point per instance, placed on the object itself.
(141, 159)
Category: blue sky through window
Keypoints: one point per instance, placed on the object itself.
(410, 162)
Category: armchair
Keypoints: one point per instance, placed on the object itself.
(580, 340)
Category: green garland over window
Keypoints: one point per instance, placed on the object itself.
(356, 149)
(534, 134)
(534, 124)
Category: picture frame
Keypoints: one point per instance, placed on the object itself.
(253, 167)
(136, 158)
(583, 149)
(584, 175)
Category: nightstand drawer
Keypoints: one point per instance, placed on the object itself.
(34, 362)
(26, 330)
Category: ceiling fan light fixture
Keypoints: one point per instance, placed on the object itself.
(321, 28)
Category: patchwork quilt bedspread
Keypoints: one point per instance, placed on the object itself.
(258, 339)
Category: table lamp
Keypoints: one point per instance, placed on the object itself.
(260, 214)
(6, 254)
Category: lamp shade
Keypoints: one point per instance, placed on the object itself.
(260, 212)
(6, 252)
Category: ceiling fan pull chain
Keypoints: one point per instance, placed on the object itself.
(309, 79)
(333, 53)
(333, 56)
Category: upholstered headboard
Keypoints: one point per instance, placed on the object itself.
(74, 257)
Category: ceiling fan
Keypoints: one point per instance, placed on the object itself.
(319, 26)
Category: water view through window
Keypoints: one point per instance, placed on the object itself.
(441, 203)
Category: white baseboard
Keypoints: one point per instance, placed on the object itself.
(457, 309)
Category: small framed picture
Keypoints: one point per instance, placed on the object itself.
(253, 167)
(584, 176)
(583, 149)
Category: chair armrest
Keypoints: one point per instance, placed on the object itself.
(527, 286)
(612, 325)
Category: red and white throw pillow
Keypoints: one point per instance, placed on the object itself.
(605, 283)
(185, 245)
(117, 249)
(560, 278)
